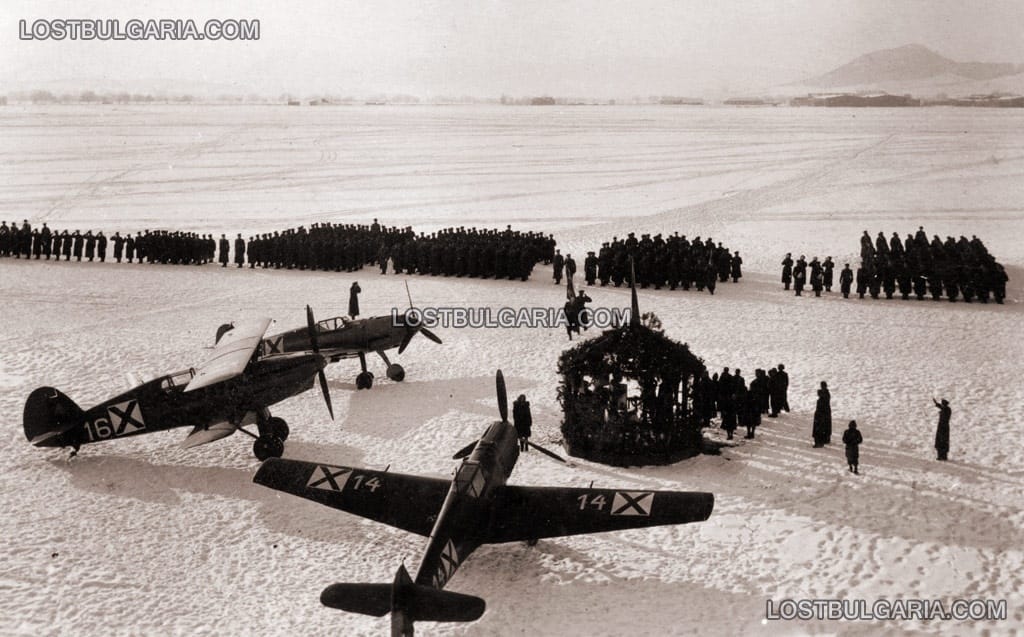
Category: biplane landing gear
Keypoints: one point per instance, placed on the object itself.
(268, 447)
(365, 379)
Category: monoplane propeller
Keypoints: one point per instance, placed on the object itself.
(314, 339)
(411, 331)
(499, 383)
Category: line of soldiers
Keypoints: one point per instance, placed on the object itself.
(471, 252)
(728, 395)
(915, 266)
(673, 262)
(159, 246)
(324, 246)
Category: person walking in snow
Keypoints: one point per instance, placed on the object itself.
(852, 439)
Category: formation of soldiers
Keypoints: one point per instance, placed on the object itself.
(461, 251)
(915, 266)
(324, 246)
(671, 262)
(471, 252)
(160, 246)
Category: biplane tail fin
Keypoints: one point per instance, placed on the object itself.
(406, 601)
(49, 414)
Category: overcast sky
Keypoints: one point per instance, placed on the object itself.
(523, 47)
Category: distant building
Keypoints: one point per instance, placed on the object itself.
(542, 101)
(989, 101)
(848, 100)
(747, 101)
(681, 101)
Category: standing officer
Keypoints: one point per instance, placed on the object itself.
(240, 251)
(942, 431)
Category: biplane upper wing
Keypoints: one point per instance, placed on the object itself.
(230, 355)
(530, 513)
(407, 502)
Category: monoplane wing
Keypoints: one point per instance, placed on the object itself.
(203, 435)
(230, 355)
(407, 502)
(530, 513)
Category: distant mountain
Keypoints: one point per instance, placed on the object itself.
(910, 64)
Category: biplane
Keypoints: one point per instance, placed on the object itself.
(457, 516)
(343, 337)
(233, 388)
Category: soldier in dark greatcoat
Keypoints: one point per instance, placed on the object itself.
(353, 299)
(845, 280)
(523, 421)
(239, 251)
(822, 429)
(223, 245)
(590, 268)
(101, 246)
(852, 439)
(787, 270)
(942, 431)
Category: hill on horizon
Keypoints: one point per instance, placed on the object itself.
(912, 63)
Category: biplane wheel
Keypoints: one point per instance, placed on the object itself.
(396, 372)
(268, 447)
(364, 380)
(279, 428)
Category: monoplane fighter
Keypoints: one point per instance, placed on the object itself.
(343, 337)
(476, 507)
(233, 388)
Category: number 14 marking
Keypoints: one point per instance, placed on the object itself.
(596, 501)
(361, 481)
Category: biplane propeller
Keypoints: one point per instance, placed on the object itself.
(233, 388)
(476, 507)
(343, 337)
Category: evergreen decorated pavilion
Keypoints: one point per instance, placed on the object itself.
(632, 396)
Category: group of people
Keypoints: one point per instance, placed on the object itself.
(739, 405)
(461, 251)
(671, 262)
(961, 268)
(469, 252)
(159, 246)
(323, 246)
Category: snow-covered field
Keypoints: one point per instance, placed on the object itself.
(141, 537)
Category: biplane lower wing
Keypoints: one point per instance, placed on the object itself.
(403, 501)
(531, 513)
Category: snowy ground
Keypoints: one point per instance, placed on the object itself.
(140, 537)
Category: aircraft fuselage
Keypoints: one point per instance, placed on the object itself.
(163, 403)
(468, 504)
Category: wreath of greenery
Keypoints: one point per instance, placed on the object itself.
(603, 423)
